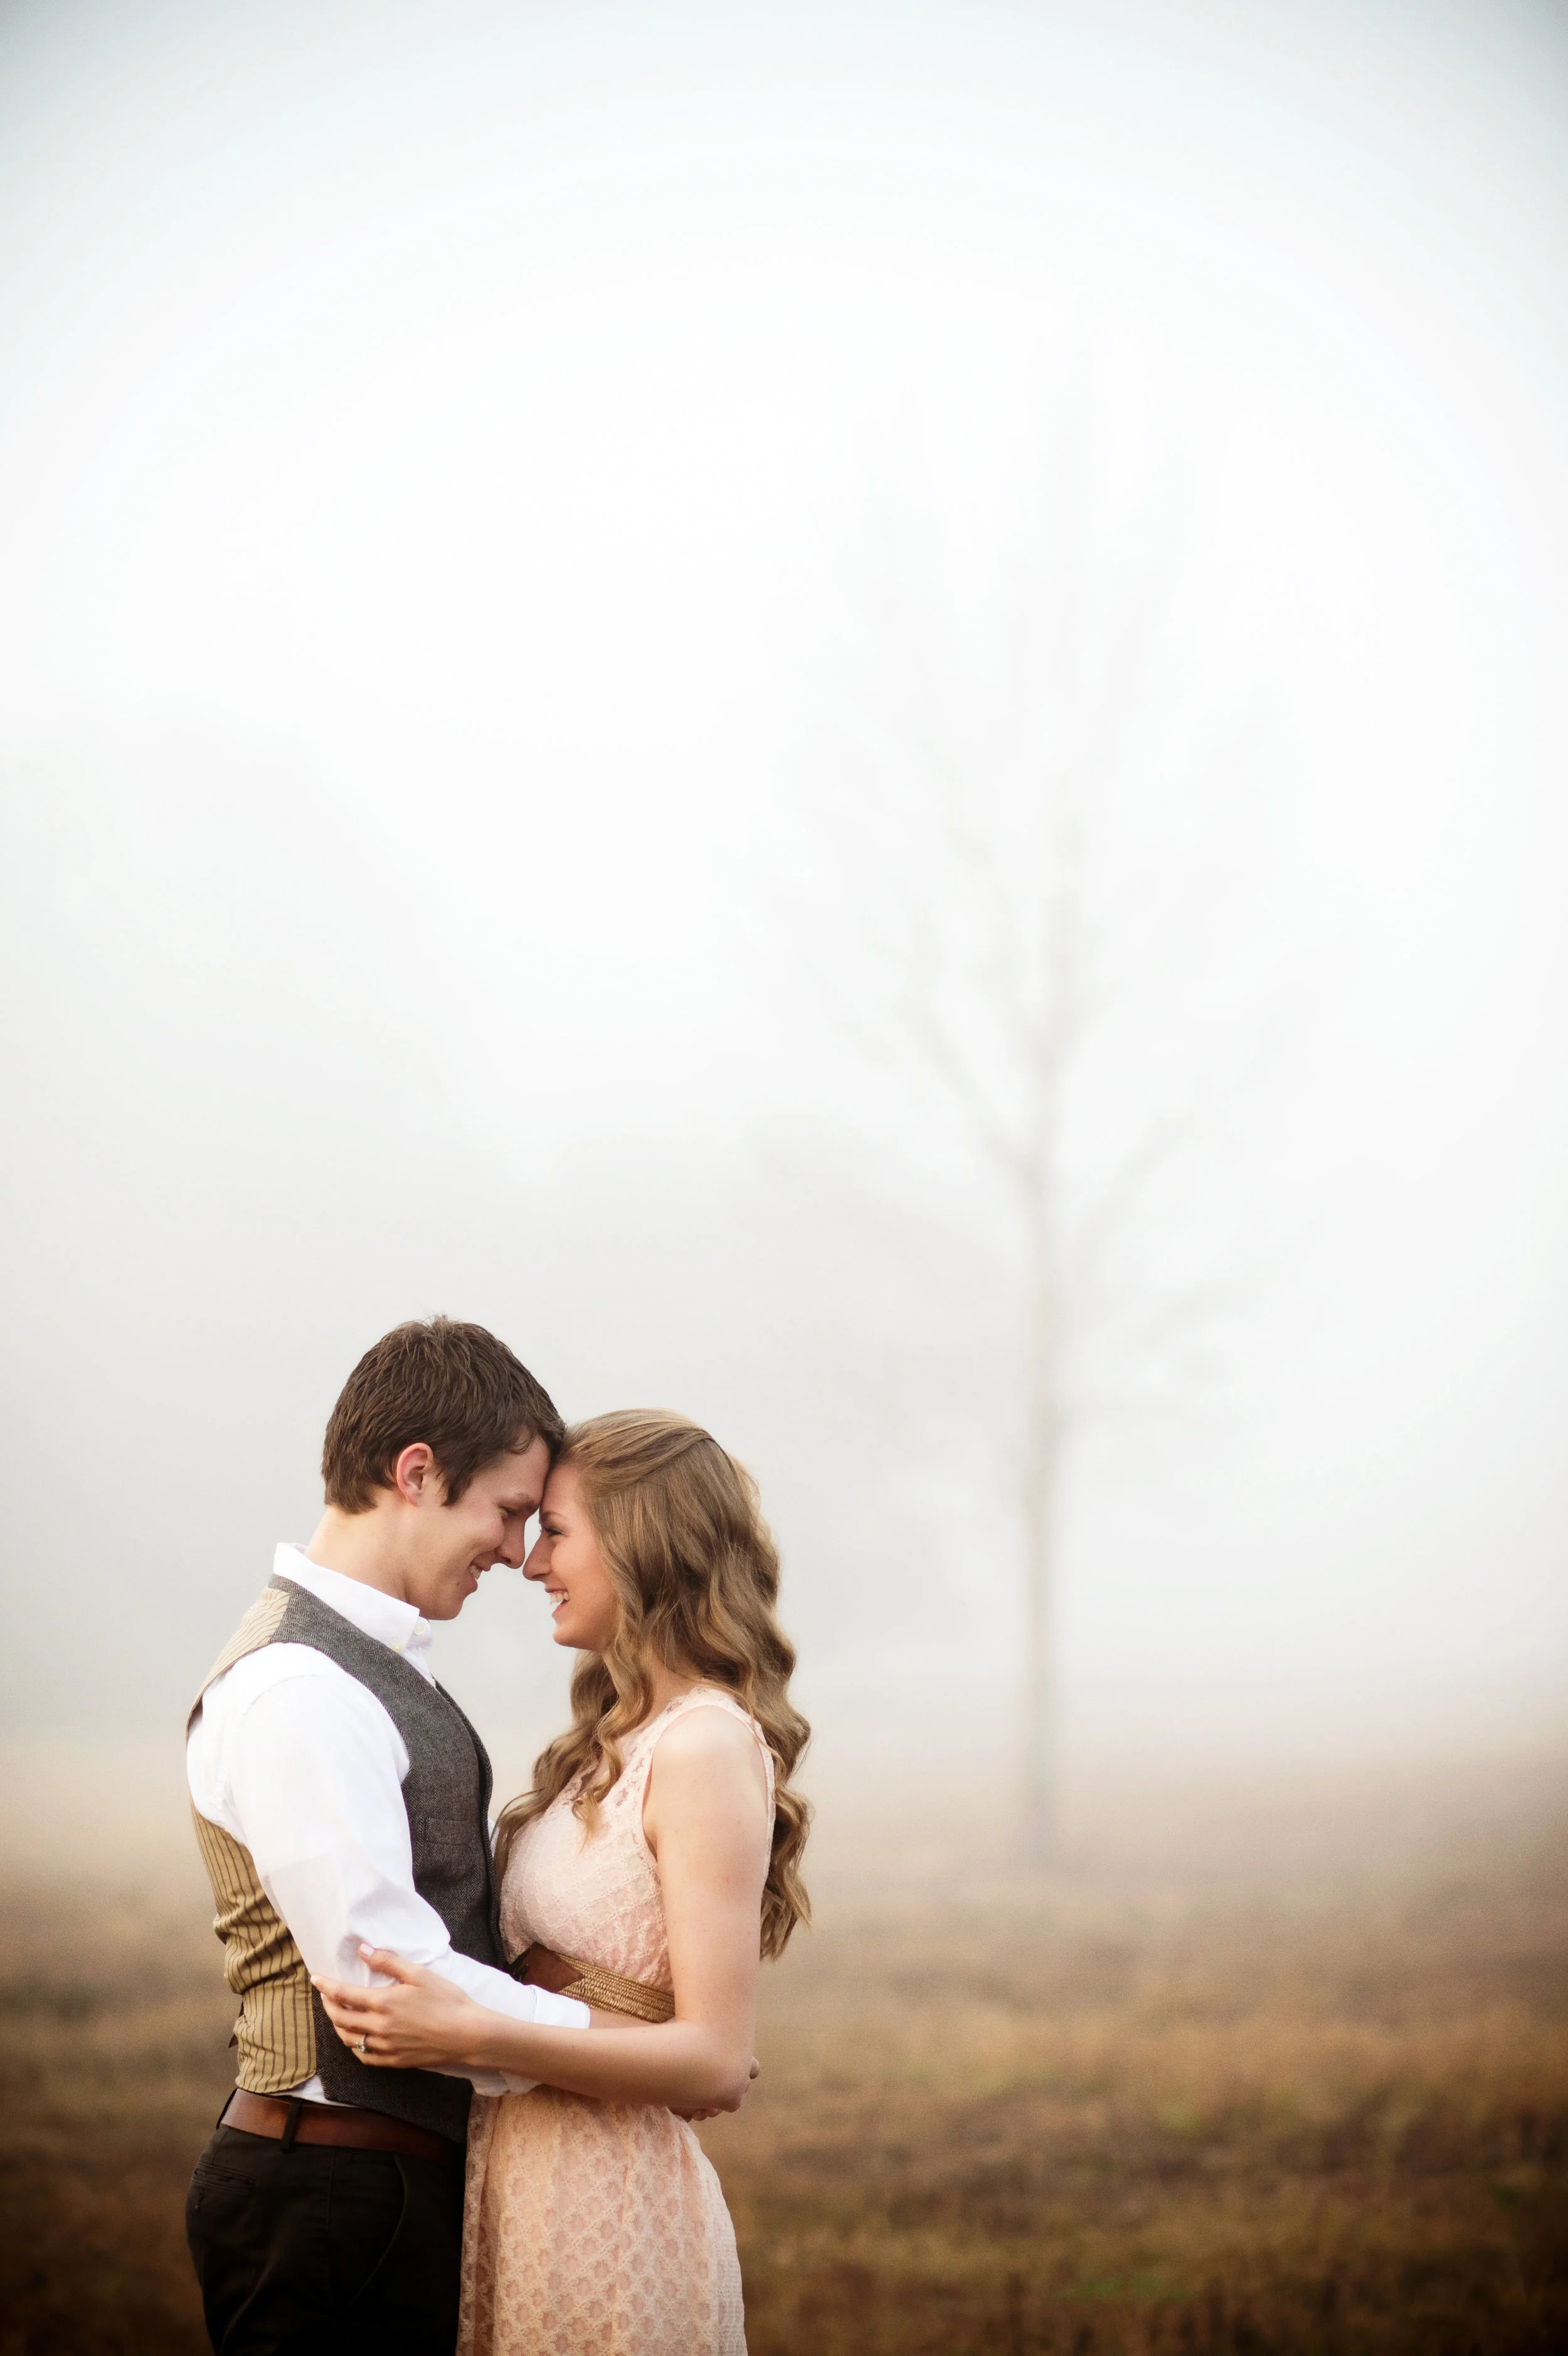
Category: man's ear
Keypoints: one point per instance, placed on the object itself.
(416, 1476)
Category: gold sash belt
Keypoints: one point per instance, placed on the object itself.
(539, 1967)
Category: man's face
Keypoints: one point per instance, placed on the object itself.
(454, 1545)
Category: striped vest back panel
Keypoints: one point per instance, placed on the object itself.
(275, 2032)
(283, 2034)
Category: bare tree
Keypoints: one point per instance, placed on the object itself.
(968, 808)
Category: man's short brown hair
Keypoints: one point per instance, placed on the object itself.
(455, 1387)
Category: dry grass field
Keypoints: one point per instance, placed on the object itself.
(1236, 2116)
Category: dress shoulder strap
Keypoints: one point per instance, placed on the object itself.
(711, 1697)
(646, 1741)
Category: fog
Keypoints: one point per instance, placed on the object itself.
(484, 489)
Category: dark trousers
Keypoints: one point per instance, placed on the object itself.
(313, 2252)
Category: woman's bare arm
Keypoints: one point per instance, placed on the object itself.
(706, 1819)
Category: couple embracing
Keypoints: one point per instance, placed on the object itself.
(469, 2056)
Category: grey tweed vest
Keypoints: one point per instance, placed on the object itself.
(447, 1794)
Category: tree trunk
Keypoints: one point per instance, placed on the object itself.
(1039, 1498)
(1041, 1795)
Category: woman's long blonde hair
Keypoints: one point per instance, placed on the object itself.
(682, 1538)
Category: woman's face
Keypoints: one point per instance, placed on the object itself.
(566, 1560)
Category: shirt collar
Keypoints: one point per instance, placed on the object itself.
(389, 1621)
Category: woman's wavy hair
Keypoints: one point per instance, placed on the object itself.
(682, 1538)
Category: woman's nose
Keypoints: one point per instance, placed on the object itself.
(533, 1563)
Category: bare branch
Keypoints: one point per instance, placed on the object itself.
(945, 1059)
(988, 841)
(1129, 1185)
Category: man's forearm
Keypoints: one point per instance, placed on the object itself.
(498, 1992)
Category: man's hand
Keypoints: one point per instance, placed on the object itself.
(422, 2023)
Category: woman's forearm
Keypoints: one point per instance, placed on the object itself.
(678, 2065)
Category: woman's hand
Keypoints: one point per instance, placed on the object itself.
(421, 2023)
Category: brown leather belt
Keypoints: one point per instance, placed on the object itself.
(334, 2123)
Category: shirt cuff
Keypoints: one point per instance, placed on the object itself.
(498, 1992)
(559, 2011)
(532, 2004)
(551, 2012)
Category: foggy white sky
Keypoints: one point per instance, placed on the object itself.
(442, 452)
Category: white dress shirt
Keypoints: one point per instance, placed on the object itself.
(304, 1766)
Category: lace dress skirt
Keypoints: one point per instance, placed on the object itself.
(595, 2229)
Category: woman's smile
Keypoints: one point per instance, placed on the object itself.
(585, 1610)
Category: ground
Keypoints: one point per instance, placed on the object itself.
(1084, 2114)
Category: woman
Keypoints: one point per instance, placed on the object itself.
(655, 1860)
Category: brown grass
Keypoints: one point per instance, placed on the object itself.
(114, 2025)
(1079, 2122)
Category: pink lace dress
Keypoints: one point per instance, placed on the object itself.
(596, 2229)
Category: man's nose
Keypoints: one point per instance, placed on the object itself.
(514, 1545)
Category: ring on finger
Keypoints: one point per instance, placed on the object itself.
(362, 2045)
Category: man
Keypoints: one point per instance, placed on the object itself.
(342, 1799)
